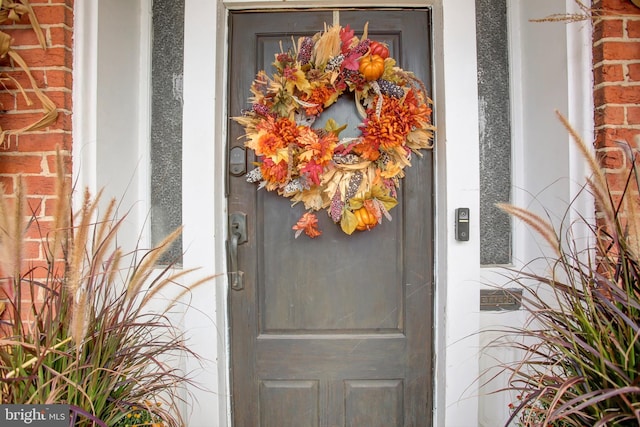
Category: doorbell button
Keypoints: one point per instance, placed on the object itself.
(462, 224)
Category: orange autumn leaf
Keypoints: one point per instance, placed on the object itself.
(309, 224)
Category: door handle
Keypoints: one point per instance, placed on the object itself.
(237, 236)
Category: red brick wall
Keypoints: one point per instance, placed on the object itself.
(616, 62)
(32, 154)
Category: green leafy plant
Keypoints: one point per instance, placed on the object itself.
(140, 416)
(78, 328)
(580, 348)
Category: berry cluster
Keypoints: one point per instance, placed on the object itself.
(261, 109)
(304, 54)
(362, 47)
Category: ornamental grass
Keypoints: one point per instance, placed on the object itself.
(77, 328)
(580, 347)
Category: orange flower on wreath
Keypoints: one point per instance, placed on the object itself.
(419, 112)
(274, 172)
(274, 135)
(391, 128)
(320, 96)
(397, 118)
(316, 153)
(368, 150)
(317, 146)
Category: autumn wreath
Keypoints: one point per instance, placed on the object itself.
(354, 179)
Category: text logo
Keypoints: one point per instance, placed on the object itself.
(34, 415)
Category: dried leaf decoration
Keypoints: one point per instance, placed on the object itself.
(314, 166)
(13, 11)
(349, 222)
(309, 224)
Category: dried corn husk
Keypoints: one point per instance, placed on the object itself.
(328, 46)
(13, 11)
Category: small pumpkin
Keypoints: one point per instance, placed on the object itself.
(372, 67)
(366, 219)
(380, 49)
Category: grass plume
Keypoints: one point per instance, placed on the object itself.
(78, 330)
(580, 348)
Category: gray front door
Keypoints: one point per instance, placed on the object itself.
(336, 330)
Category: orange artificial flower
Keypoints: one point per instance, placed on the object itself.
(368, 149)
(317, 147)
(419, 111)
(390, 130)
(274, 135)
(320, 96)
(309, 224)
(276, 173)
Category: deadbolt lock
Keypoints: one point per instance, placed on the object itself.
(237, 161)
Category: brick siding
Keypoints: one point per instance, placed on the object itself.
(32, 154)
(616, 70)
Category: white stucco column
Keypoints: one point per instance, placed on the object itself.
(85, 89)
(204, 213)
(457, 165)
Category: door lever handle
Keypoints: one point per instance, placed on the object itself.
(238, 235)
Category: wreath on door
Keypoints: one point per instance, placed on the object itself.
(354, 179)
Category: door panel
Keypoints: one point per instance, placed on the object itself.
(373, 402)
(337, 330)
(280, 399)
